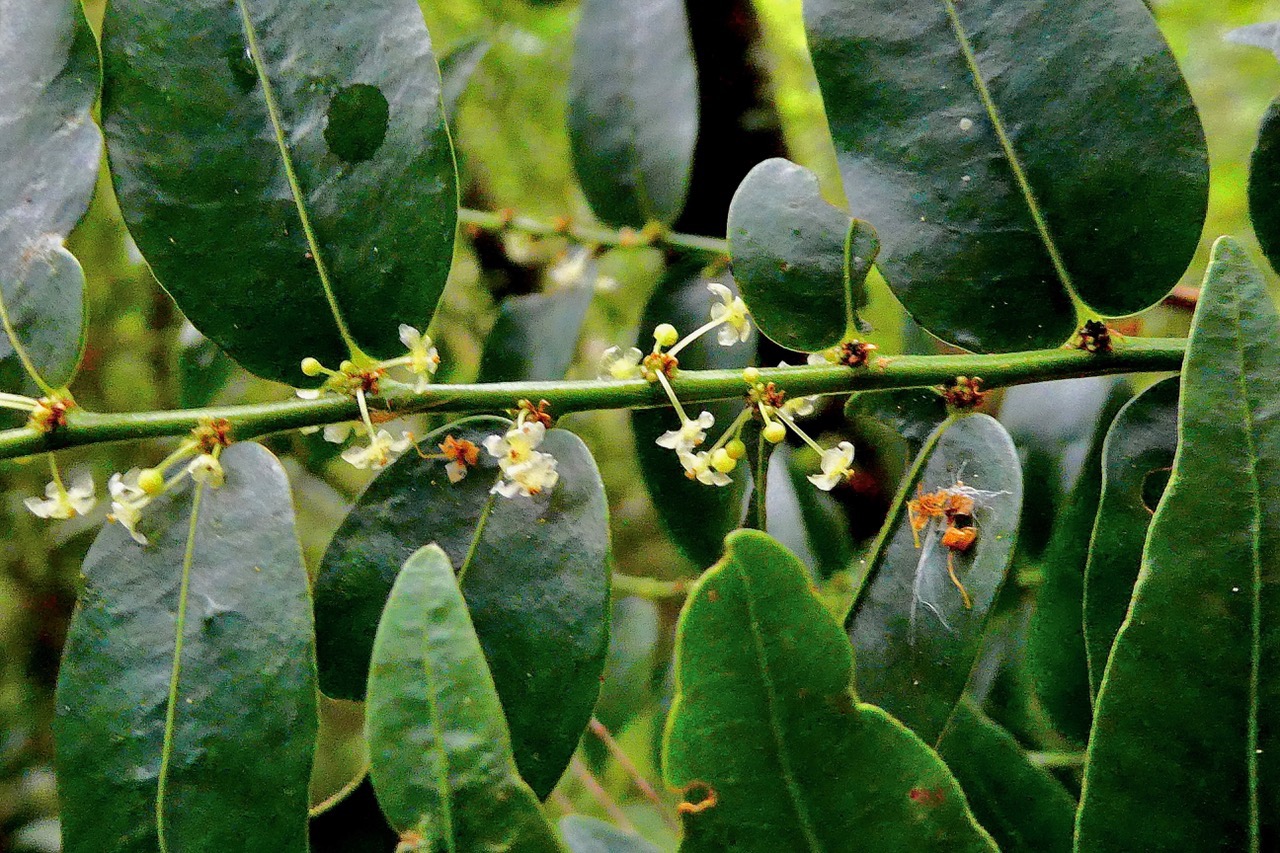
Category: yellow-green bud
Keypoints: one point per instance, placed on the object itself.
(151, 481)
(347, 366)
(774, 432)
(311, 366)
(736, 449)
(722, 461)
(751, 375)
(666, 335)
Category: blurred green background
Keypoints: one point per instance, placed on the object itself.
(759, 99)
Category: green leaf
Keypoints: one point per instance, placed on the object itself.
(633, 109)
(795, 256)
(807, 521)
(1183, 752)
(1135, 460)
(1264, 185)
(440, 753)
(1024, 808)
(535, 336)
(588, 835)
(287, 173)
(766, 735)
(910, 413)
(456, 70)
(147, 731)
(51, 150)
(203, 368)
(626, 687)
(534, 572)
(1014, 157)
(697, 517)
(915, 638)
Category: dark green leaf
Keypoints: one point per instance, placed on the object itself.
(627, 684)
(915, 638)
(286, 171)
(440, 752)
(1183, 750)
(696, 516)
(203, 368)
(796, 257)
(533, 571)
(1264, 185)
(911, 413)
(1138, 451)
(142, 730)
(766, 723)
(633, 109)
(456, 69)
(807, 521)
(1024, 808)
(51, 150)
(536, 336)
(588, 835)
(1012, 156)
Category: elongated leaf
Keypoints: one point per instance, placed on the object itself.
(796, 257)
(633, 109)
(1264, 185)
(1024, 808)
(696, 516)
(533, 571)
(626, 688)
(1012, 155)
(915, 638)
(1183, 732)
(767, 736)
(588, 835)
(1138, 451)
(286, 170)
(51, 150)
(143, 730)
(439, 749)
(535, 337)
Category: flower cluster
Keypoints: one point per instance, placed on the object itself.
(526, 471)
(134, 490)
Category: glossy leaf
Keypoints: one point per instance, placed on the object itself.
(51, 150)
(1024, 808)
(915, 638)
(1013, 155)
(588, 835)
(696, 516)
(533, 571)
(535, 336)
(797, 257)
(633, 109)
(286, 171)
(1182, 733)
(203, 368)
(767, 736)
(142, 729)
(1264, 185)
(910, 413)
(1138, 453)
(440, 752)
(457, 67)
(807, 521)
(626, 687)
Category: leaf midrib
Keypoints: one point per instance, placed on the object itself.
(443, 770)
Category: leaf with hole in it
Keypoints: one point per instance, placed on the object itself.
(1135, 464)
(145, 731)
(633, 109)
(286, 170)
(588, 835)
(796, 257)
(535, 336)
(1013, 155)
(1024, 808)
(439, 749)
(1182, 733)
(767, 740)
(916, 628)
(696, 516)
(534, 571)
(51, 150)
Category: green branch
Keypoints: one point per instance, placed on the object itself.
(908, 371)
(593, 234)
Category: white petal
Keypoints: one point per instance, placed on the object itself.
(409, 336)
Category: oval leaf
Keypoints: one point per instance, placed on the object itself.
(767, 739)
(535, 336)
(1201, 629)
(51, 150)
(916, 637)
(1014, 156)
(143, 730)
(1139, 449)
(1264, 185)
(533, 570)
(588, 835)
(439, 751)
(633, 109)
(796, 257)
(286, 172)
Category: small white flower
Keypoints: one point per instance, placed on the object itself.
(206, 468)
(308, 393)
(617, 363)
(127, 502)
(835, 466)
(338, 433)
(424, 359)
(573, 269)
(819, 359)
(697, 466)
(378, 454)
(733, 311)
(690, 435)
(534, 476)
(61, 504)
(800, 407)
(517, 446)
